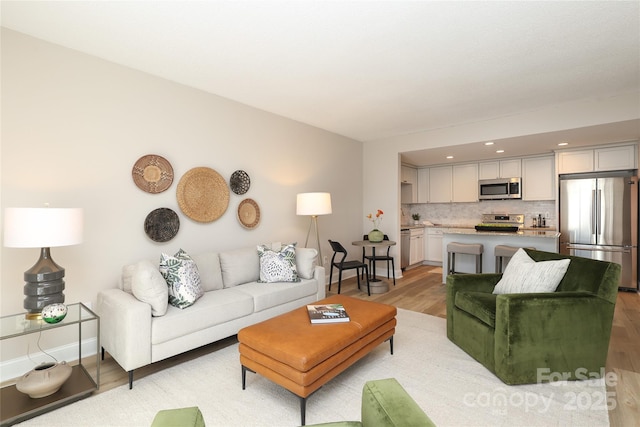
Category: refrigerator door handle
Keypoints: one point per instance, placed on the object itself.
(592, 220)
(599, 214)
(623, 249)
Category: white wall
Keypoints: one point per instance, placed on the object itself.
(73, 126)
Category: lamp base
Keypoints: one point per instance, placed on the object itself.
(44, 285)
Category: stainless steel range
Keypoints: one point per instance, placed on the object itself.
(501, 222)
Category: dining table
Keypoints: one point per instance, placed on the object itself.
(376, 285)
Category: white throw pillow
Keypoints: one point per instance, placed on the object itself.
(148, 285)
(278, 266)
(524, 275)
(183, 279)
(306, 262)
(239, 266)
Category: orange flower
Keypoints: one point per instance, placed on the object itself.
(377, 219)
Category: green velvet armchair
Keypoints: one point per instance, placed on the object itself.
(536, 337)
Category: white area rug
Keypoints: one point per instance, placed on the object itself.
(452, 388)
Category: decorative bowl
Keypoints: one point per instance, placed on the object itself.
(44, 380)
(54, 313)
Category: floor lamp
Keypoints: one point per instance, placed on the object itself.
(314, 204)
(42, 228)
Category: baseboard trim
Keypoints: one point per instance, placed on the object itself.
(15, 368)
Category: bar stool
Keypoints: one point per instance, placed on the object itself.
(504, 251)
(454, 248)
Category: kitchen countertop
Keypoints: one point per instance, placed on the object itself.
(522, 233)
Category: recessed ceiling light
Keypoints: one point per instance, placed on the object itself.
(449, 157)
(563, 143)
(499, 151)
(488, 143)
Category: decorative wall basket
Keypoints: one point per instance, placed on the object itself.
(152, 173)
(44, 380)
(162, 225)
(203, 194)
(240, 182)
(249, 213)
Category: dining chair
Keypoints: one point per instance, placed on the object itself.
(341, 265)
(373, 259)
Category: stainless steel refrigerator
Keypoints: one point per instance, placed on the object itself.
(599, 220)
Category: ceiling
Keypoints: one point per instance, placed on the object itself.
(369, 70)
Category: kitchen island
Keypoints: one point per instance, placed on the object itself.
(541, 240)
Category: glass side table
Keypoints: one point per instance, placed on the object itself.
(85, 376)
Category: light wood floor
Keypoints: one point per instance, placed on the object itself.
(421, 290)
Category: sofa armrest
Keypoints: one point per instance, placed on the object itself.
(551, 332)
(485, 282)
(125, 328)
(319, 276)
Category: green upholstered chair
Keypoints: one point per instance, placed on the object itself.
(525, 338)
(180, 417)
(385, 403)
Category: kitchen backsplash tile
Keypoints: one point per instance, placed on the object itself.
(470, 213)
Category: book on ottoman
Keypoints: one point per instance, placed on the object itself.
(327, 313)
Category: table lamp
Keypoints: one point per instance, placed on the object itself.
(313, 204)
(42, 228)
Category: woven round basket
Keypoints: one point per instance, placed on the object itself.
(203, 194)
(152, 173)
(249, 213)
(162, 224)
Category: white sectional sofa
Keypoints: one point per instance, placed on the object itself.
(136, 333)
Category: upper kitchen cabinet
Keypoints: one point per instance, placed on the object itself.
(440, 180)
(465, 183)
(500, 169)
(538, 178)
(408, 184)
(620, 157)
(423, 185)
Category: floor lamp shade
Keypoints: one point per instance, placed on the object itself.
(313, 204)
(43, 228)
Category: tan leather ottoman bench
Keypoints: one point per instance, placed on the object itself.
(302, 357)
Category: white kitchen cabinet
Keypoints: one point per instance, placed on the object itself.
(440, 184)
(423, 185)
(416, 246)
(615, 158)
(575, 161)
(500, 169)
(408, 184)
(621, 157)
(433, 246)
(465, 183)
(538, 178)
(408, 175)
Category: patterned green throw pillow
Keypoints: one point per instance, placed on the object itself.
(183, 279)
(278, 266)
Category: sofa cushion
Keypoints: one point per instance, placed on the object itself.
(148, 285)
(524, 275)
(214, 308)
(306, 262)
(480, 305)
(277, 265)
(209, 268)
(239, 266)
(267, 295)
(183, 279)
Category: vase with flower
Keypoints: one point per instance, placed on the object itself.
(376, 235)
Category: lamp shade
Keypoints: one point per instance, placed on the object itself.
(42, 227)
(313, 204)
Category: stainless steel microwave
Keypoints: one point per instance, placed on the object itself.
(500, 188)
